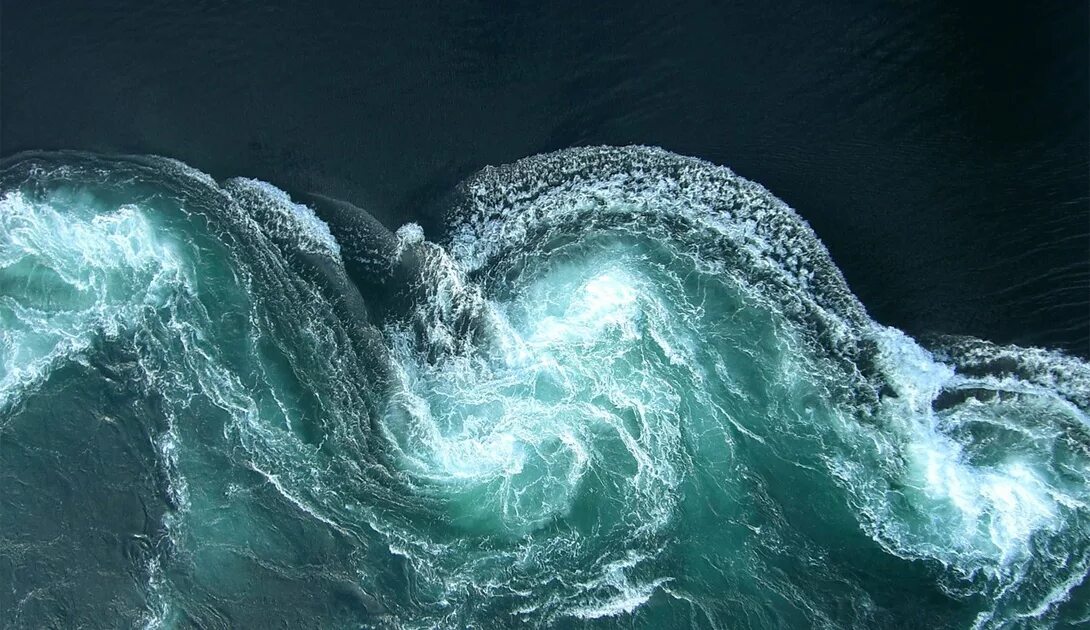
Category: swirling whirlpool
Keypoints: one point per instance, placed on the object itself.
(623, 388)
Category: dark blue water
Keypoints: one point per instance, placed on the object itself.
(818, 361)
(939, 151)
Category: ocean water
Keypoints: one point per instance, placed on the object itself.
(623, 388)
(941, 150)
(766, 315)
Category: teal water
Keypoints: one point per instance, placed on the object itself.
(623, 388)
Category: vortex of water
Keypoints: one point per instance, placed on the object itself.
(623, 388)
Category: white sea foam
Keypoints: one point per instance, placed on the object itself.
(623, 372)
(286, 219)
(72, 274)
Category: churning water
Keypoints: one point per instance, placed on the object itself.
(623, 388)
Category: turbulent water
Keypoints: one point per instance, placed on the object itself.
(622, 388)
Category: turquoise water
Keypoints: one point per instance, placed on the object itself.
(623, 388)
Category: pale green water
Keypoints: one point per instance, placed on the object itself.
(624, 389)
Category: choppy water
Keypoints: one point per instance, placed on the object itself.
(623, 388)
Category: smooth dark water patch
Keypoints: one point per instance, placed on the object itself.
(940, 151)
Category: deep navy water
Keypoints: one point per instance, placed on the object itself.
(737, 315)
(939, 151)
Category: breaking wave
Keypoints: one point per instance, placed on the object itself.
(623, 387)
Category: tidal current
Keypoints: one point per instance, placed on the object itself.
(622, 388)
